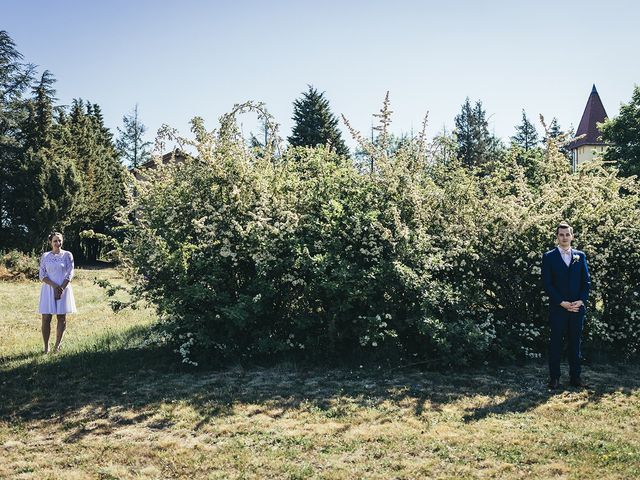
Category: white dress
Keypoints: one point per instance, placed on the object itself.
(58, 267)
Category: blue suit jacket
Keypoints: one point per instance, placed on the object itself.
(565, 283)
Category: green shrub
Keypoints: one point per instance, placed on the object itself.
(16, 265)
(250, 253)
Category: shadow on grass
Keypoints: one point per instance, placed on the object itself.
(602, 380)
(120, 383)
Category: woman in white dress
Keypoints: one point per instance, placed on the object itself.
(56, 294)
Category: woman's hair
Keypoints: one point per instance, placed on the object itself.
(55, 234)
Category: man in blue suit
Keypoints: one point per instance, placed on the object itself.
(566, 279)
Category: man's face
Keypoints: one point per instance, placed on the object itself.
(564, 237)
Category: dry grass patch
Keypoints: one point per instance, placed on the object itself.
(110, 408)
(233, 425)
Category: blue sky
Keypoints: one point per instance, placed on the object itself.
(193, 57)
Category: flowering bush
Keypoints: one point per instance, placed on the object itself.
(249, 252)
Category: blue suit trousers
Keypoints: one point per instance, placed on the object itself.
(569, 325)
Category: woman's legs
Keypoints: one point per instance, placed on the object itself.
(62, 324)
(46, 330)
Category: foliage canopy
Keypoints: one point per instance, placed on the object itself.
(420, 258)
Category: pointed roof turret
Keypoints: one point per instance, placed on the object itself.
(594, 113)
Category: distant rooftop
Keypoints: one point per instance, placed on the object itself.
(174, 156)
(594, 113)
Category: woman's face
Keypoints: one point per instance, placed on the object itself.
(56, 242)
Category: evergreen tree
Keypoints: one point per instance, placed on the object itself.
(103, 177)
(556, 133)
(56, 170)
(392, 144)
(45, 182)
(622, 134)
(465, 134)
(132, 147)
(15, 79)
(314, 124)
(445, 147)
(259, 145)
(475, 145)
(526, 136)
(39, 127)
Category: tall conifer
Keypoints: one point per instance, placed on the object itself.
(103, 177)
(15, 79)
(526, 136)
(314, 124)
(45, 182)
(131, 145)
(622, 134)
(555, 132)
(475, 145)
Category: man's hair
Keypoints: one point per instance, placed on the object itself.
(564, 225)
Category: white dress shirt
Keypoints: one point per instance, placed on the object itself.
(566, 255)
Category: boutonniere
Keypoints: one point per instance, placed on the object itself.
(576, 257)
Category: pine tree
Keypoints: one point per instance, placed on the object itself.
(314, 124)
(475, 145)
(554, 130)
(258, 143)
(555, 133)
(132, 147)
(103, 177)
(526, 136)
(39, 131)
(57, 170)
(15, 79)
(464, 133)
(45, 182)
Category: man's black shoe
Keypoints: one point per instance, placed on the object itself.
(578, 383)
(554, 384)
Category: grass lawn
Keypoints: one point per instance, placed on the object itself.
(109, 408)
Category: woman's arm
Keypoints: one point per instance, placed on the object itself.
(69, 269)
